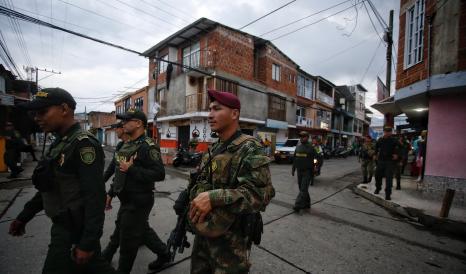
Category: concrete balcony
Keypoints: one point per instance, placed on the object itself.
(324, 98)
(201, 59)
(197, 102)
(303, 121)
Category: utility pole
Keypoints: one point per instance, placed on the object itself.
(388, 37)
(36, 70)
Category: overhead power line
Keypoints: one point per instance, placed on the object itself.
(103, 16)
(315, 22)
(267, 14)
(177, 9)
(372, 22)
(149, 14)
(6, 56)
(370, 62)
(162, 10)
(24, 17)
(303, 18)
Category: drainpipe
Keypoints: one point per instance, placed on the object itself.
(155, 132)
(429, 42)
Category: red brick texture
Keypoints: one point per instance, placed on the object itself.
(418, 72)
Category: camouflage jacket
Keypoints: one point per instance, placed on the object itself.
(367, 152)
(241, 181)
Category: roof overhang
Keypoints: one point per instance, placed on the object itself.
(387, 105)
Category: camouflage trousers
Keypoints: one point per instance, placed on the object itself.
(226, 254)
(367, 167)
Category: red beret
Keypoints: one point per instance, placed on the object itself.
(225, 98)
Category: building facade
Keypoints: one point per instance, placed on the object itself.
(431, 88)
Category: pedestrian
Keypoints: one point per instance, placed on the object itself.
(319, 154)
(401, 161)
(303, 161)
(367, 159)
(387, 156)
(138, 166)
(70, 188)
(233, 185)
(13, 147)
(421, 155)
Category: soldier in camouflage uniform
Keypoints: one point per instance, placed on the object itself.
(71, 189)
(234, 183)
(138, 166)
(367, 158)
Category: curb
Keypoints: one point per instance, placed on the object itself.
(455, 228)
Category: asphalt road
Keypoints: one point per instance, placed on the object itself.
(342, 233)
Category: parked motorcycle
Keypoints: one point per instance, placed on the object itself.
(187, 158)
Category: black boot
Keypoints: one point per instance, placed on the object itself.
(377, 191)
(398, 185)
(387, 197)
(162, 259)
(370, 179)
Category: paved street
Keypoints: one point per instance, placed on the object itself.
(343, 233)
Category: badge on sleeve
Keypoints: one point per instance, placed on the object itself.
(154, 154)
(87, 155)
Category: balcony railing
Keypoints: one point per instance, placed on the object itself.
(324, 98)
(323, 123)
(197, 102)
(303, 121)
(199, 59)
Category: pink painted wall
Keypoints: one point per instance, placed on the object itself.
(446, 141)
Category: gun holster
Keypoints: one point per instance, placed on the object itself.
(44, 175)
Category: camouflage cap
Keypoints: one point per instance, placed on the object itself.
(217, 223)
(50, 97)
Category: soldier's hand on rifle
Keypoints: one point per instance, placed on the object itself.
(108, 203)
(200, 207)
(125, 165)
(17, 228)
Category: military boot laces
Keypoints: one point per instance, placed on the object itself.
(162, 259)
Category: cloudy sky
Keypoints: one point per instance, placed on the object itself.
(344, 48)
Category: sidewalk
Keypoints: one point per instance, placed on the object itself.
(410, 203)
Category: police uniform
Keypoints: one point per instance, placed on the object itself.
(367, 161)
(385, 148)
(303, 161)
(237, 178)
(72, 193)
(135, 189)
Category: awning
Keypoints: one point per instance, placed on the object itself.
(387, 106)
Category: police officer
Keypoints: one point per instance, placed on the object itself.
(316, 143)
(71, 188)
(138, 166)
(387, 155)
(367, 158)
(13, 147)
(233, 186)
(114, 243)
(303, 161)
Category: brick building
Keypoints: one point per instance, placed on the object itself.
(98, 122)
(431, 87)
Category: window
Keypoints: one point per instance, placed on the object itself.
(192, 55)
(305, 87)
(277, 108)
(139, 103)
(227, 86)
(276, 72)
(163, 65)
(126, 104)
(414, 33)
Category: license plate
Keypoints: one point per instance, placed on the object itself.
(283, 156)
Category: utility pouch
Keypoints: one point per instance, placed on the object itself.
(253, 227)
(44, 175)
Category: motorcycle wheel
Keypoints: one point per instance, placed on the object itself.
(176, 162)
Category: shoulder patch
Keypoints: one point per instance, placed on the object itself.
(87, 155)
(149, 141)
(154, 154)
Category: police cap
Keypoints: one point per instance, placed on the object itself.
(225, 98)
(304, 134)
(133, 114)
(50, 97)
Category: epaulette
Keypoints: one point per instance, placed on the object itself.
(149, 141)
(243, 138)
